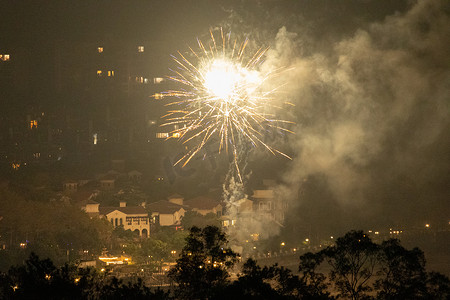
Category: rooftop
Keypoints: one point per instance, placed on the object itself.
(165, 207)
(202, 202)
(128, 210)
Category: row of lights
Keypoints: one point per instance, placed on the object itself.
(140, 49)
(5, 57)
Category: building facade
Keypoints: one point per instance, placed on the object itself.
(134, 218)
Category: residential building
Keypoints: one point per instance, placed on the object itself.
(166, 213)
(267, 204)
(239, 211)
(134, 218)
(107, 183)
(96, 102)
(135, 176)
(205, 205)
(176, 198)
(91, 207)
(70, 186)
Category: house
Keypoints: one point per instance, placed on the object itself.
(70, 186)
(135, 176)
(176, 198)
(237, 212)
(107, 182)
(134, 218)
(166, 213)
(84, 264)
(268, 205)
(205, 205)
(85, 196)
(91, 207)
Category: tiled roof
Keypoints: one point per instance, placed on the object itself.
(202, 202)
(128, 210)
(90, 201)
(263, 194)
(164, 207)
(70, 181)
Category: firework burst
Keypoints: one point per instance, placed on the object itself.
(223, 95)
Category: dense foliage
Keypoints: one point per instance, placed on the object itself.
(203, 266)
(54, 229)
(40, 279)
(353, 268)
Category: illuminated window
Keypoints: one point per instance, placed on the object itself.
(37, 155)
(158, 96)
(162, 135)
(33, 124)
(158, 80)
(110, 73)
(5, 57)
(100, 49)
(145, 80)
(99, 72)
(141, 49)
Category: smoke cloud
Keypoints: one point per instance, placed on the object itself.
(372, 114)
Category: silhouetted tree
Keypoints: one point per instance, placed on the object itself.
(438, 286)
(402, 272)
(312, 283)
(203, 266)
(40, 279)
(261, 283)
(274, 282)
(353, 261)
(32, 280)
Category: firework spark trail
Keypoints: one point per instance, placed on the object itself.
(223, 96)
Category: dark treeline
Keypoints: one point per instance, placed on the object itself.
(353, 268)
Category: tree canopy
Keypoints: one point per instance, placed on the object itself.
(203, 266)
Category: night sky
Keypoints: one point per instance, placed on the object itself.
(370, 81)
